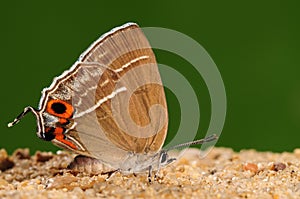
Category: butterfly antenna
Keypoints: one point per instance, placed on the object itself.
(196, 142)
(26, 110)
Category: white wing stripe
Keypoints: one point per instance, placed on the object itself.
(101, 101)
(131, 62)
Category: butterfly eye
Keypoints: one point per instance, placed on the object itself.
(60, 108)
(163, 157)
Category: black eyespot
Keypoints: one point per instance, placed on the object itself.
(49, 134)
(58, 108)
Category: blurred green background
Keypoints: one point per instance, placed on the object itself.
(255, 45)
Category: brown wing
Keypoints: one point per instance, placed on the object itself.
(117, 95)
(127, 52)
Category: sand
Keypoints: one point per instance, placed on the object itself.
(222, 174)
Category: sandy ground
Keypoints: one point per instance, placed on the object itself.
(222, 174)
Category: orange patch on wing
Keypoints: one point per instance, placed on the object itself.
(59, 136)
(63, 121)
(65, 109)
(58, 131)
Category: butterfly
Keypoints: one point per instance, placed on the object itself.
(110, 105)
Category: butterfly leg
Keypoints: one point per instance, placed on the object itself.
(149, 174)
(156, 173)
(110, 173)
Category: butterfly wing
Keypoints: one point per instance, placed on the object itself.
(117, 95)
(128, 53)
